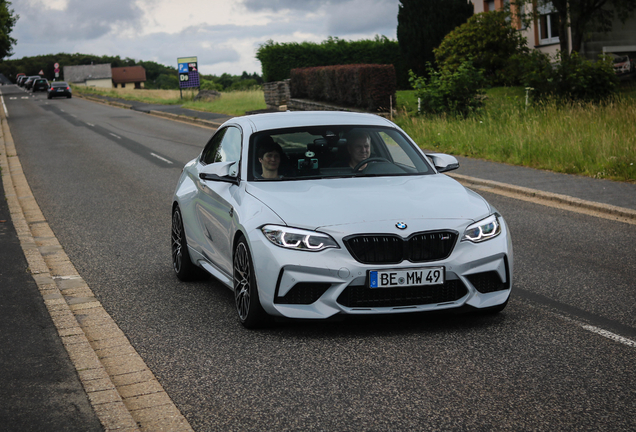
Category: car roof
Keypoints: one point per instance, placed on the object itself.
(289, 119)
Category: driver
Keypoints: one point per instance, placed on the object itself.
(359, 148)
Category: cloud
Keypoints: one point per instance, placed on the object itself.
(74, 20)
(223, 34)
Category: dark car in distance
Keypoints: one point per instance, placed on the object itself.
(59, 88)
(30, 80)
(40, 84)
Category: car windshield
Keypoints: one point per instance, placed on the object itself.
(333, 151)
(59, 84)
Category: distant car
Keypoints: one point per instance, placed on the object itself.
(23, 79)
(59, 88)
(623, 65)
(40, 84)
(307, 215)
(30, 80)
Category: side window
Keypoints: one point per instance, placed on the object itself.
(224, 146)
(397, 153)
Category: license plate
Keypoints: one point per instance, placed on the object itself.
(406, 277)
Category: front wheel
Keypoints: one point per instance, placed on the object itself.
(181, 262)
(248, 305)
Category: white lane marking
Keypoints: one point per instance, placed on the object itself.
(24, 97)
(6, 113)
(116, 136)
(13, 98)
(73, 115)
(610, 335)
(159, 157)
(90, 124)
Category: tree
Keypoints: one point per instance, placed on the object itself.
(423, 24)
(582, 16)
(488, 40)
(7, 21)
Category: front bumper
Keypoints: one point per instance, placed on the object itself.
(309, 285)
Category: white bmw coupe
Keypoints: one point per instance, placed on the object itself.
(313, 214)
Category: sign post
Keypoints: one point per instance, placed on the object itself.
(188, 73)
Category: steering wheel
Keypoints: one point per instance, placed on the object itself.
(369, 160)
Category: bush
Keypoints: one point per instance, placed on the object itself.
(571, 78)
(365, 86)
(278, 59)
(210, 85)
(457, 92)
(489, 41)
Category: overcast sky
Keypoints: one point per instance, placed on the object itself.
(223, 34)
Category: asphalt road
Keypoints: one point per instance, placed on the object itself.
(104, 178)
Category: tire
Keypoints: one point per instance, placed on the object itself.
(69, 96)
(248, 305)
(183, 266)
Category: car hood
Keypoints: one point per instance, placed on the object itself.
(314, 204)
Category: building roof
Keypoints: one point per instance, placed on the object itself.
(129, 74)
(80, 74)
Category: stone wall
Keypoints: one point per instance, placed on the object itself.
(277, 94)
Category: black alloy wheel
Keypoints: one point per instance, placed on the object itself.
(248, 305)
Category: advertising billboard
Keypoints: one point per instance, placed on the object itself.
(188, 72)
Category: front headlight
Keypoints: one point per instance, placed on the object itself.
(483, 230)
(294, 238)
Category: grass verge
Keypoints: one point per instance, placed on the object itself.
(593, 140)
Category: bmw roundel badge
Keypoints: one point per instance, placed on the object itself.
(400, 225)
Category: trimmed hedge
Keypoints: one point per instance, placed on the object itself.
(278, 59)
(366, 86)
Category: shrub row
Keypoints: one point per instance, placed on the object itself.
(278, 59)
(367, 86)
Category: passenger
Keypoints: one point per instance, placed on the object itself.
(269, 155)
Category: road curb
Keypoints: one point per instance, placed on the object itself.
(558, 200)
(122, 390)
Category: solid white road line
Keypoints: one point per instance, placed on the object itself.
(6, 113)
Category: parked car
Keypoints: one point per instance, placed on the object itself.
(30, 80)
(314, 214)
(59, 88)
(20, 80)
(40, 84)
(623, 65)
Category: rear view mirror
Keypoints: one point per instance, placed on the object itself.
(443, 162)
(220, 171)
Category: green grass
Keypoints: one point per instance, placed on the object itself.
(233, 103)
(593, 140)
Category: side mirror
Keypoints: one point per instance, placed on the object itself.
(220, 171)
(443, 162)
